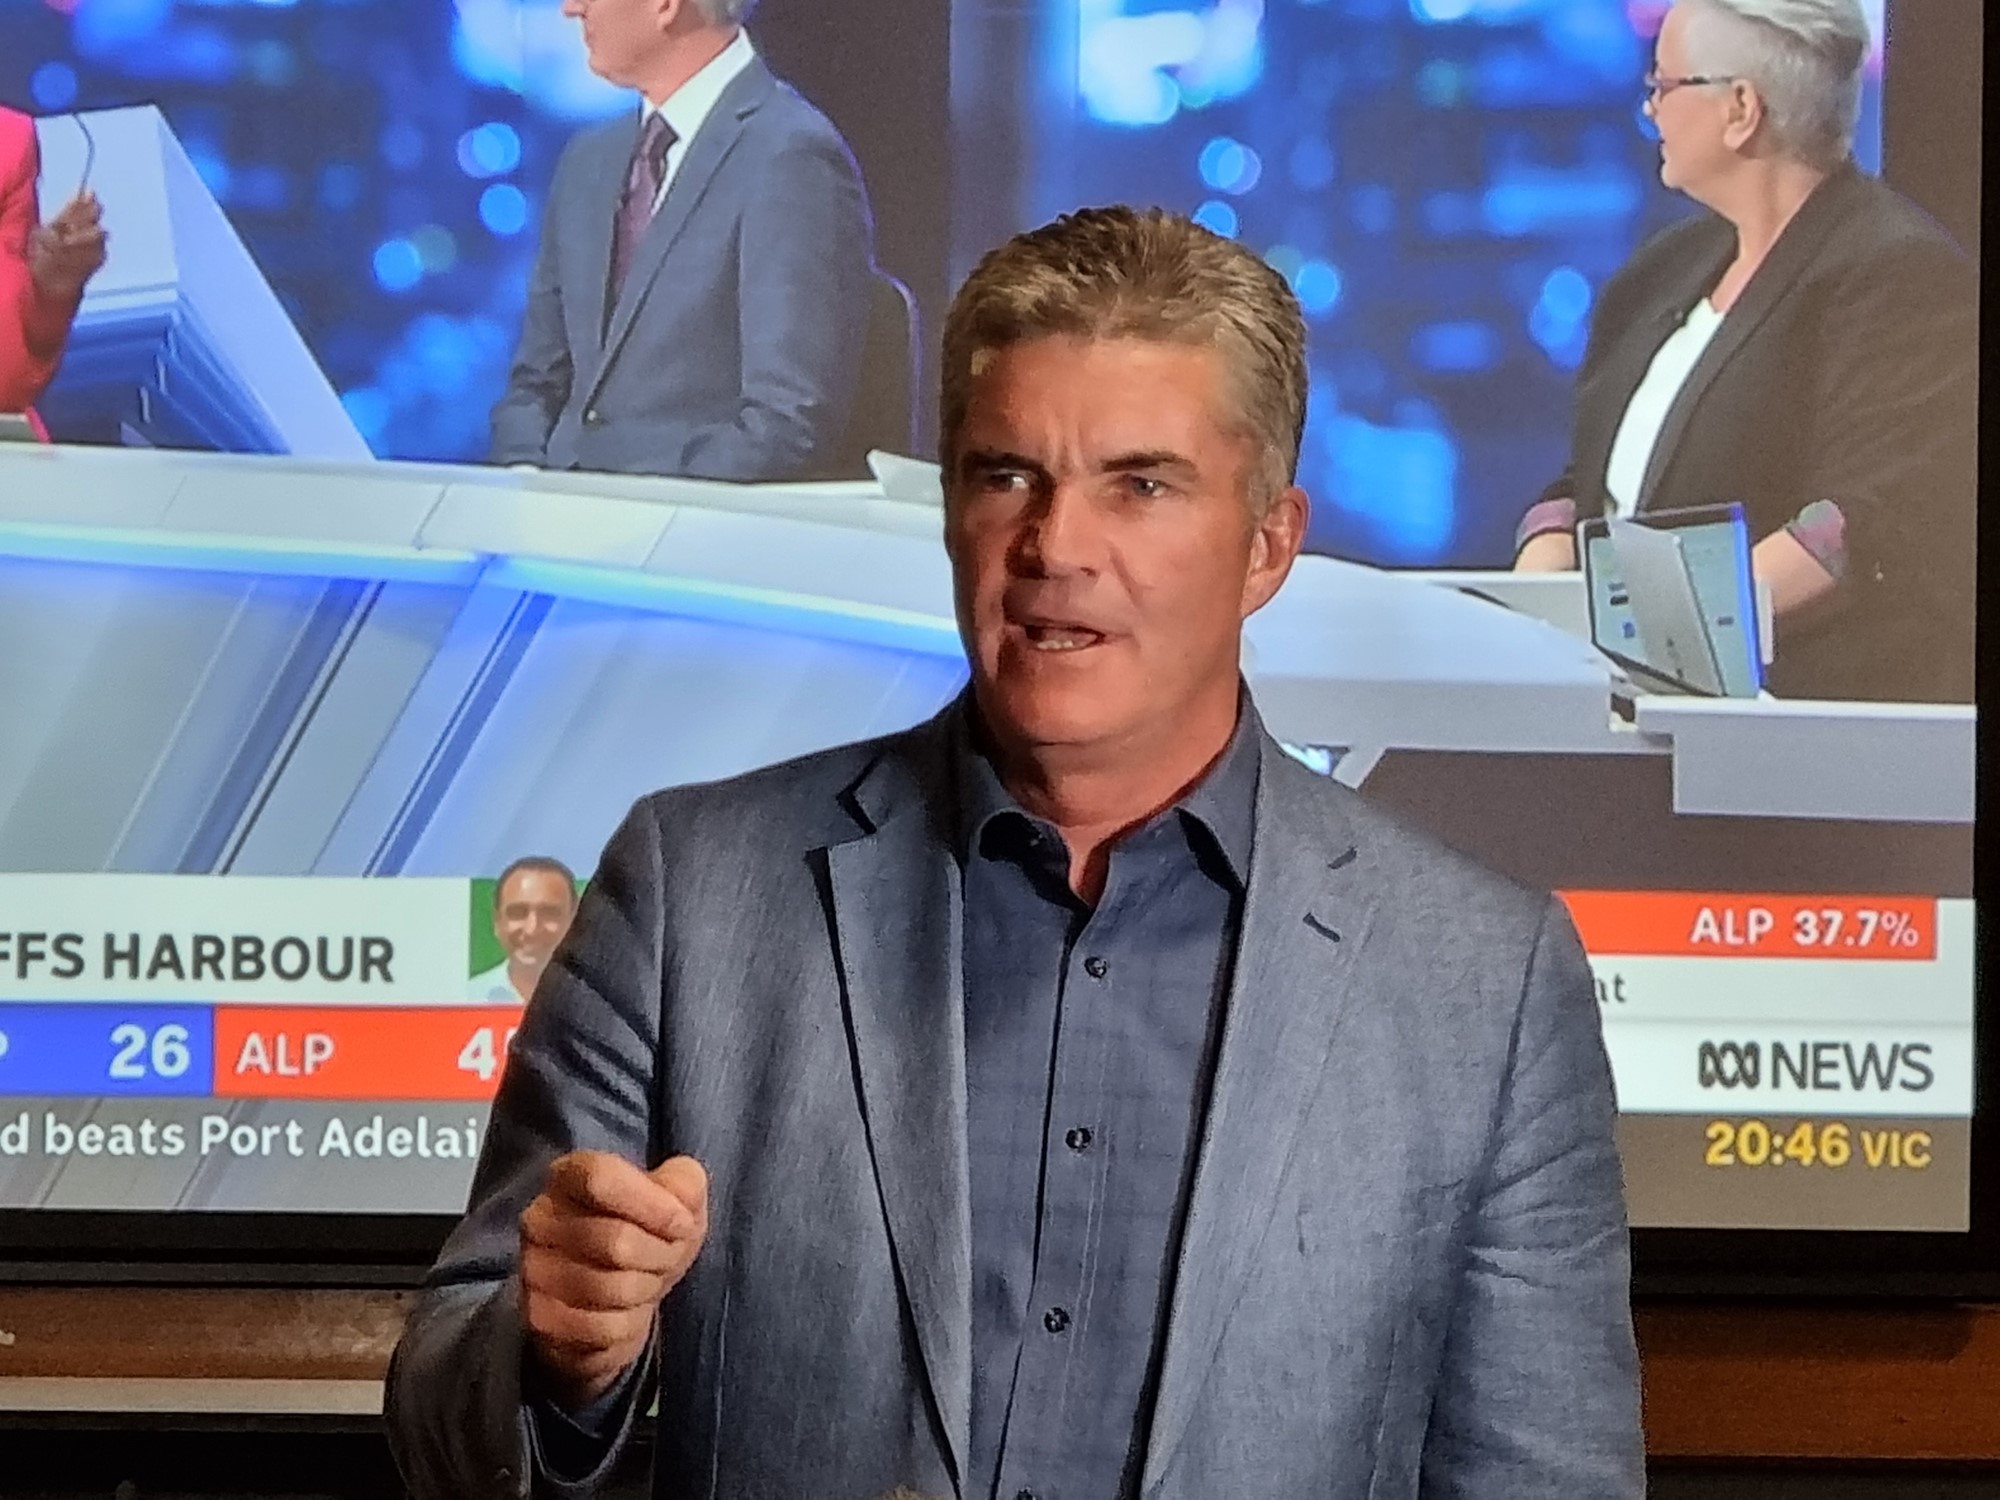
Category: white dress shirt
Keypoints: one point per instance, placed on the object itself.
(1646, 414)
(688, 106)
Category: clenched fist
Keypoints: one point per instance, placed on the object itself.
(599, 1248)
(68, 250)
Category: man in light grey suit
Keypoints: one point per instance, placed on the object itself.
(1072, 1096)
(700, 294)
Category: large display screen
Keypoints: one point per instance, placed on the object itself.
(315, 711)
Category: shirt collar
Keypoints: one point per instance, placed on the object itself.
(688, 106)
(1223, 803)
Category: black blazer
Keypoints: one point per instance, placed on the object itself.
(1846, 371)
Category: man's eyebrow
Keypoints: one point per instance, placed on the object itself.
(1155, 458)
(996, 458)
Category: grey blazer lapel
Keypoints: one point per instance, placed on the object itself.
(710, 147)
(897, 923)
(1306, 914)
(604, 173)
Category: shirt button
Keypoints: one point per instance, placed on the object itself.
(1078, 1138)
(1056, 1319)
(592, 417)
(1096, 967)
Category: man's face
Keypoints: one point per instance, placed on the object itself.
(1104, 548)
(531, 912)
(622, 37)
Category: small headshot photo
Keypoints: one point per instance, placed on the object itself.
(533, 902)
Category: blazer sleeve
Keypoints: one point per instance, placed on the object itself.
(33, 328)
(1539, 1391)
(538, 381)
(1894, 415)
(805, 263)
(580, 1075)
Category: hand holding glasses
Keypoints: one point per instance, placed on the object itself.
(67, 251)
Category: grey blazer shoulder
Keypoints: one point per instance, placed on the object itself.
(778, 118)
(1403, 1270)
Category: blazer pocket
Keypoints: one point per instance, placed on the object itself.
(1422, 1219)
(1403, 1258)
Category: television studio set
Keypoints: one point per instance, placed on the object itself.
(641, 639)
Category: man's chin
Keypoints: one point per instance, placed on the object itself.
(1045, 714)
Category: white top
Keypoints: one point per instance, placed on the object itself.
(688, 106)
(1639, 429)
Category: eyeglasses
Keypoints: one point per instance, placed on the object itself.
(1657, 88)
(89, 154)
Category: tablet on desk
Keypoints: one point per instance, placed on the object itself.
(16, 428)
(1672, 601)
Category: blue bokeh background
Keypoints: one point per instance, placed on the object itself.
(1446, 183)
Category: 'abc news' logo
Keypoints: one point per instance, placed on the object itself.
(1731, 1065)
(1817, 1067)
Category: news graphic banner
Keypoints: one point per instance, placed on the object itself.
(183, 1041)
(315, 1044)
(1788, 1061)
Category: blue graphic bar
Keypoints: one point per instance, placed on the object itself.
(146, 1051)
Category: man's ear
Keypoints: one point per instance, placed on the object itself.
(667, 13)
(1275, 541)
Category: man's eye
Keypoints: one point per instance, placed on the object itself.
(1145, 486)
(1004, 481)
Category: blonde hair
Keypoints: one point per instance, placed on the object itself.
(1118, 272)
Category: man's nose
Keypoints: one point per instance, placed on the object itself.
(1059, 532)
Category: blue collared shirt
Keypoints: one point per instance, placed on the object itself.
(1090, 1045)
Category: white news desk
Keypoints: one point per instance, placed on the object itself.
(1346, 656)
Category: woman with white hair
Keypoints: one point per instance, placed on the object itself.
(1807, 347)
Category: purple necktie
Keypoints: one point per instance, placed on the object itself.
(642, 188)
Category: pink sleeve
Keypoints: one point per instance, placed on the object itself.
(33, 328)
(1543, 517)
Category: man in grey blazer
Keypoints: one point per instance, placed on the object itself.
(700, 294)
(1072, 1096)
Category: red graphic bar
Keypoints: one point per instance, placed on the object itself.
(1686, 924)
(361, 1053)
